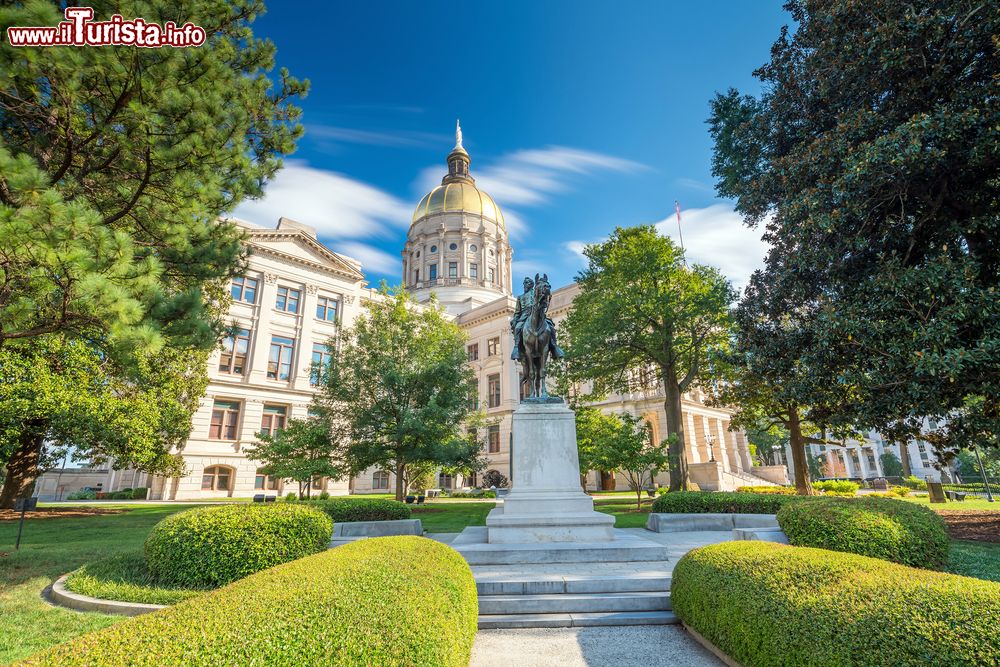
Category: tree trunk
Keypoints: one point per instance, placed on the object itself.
(677, 452)
(798, 444)
(22, 468)
(400, 486)
(607, 480)
(583, 482)
(904, 458)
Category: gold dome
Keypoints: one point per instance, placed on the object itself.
(458, 197)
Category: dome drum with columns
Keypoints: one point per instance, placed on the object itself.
(457, 246)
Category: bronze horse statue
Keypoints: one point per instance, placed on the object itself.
(535, 339)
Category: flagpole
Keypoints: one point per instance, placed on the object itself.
(680, 235)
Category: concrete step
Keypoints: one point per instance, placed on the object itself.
(510, 621)
(597, 583)
(625, 548)
(570, 603)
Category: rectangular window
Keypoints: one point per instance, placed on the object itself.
(265, 482)
(493, 347)
(273, 419)
(473, 270)
(234, 352)
(493, 392)
(244, 290)
(279, 363)
(453, 269)
(493, 275)
(318, 483)
(320, 361)
(494, 439)
(225, 417)
(445, 481)
(288, 300)
(326, 309)
(380, 480)
(473, 352)
(416, 276)
(433, 275)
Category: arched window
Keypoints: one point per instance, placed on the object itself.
(380, 480)
(265, 482)
(217, 478)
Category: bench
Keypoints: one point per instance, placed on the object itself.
(955, 495)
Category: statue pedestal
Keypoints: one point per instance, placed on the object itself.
(546, 503)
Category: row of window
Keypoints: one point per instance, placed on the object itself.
(220, 478)
(288, 299)
(492, 349)
(432, 272)
(454, 246)
(235, 349)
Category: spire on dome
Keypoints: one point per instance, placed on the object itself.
(458, 160)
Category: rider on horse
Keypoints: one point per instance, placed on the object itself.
(522, 313)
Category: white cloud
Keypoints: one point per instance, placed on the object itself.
(372, 259)
(714, 235)
(337, 205)
(397, 138)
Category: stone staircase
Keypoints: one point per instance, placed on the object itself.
(547, 595)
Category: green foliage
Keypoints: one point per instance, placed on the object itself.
(638, 288)
(879, 527)
(870, 161)
(82, 495)
(291, 496)
(302, 450)
(381, 601)
(726, 502)
(494, 478)
(891, 465)
(125, 577)
(361, 509)
(116, 164)
(837, 486)
(211, 546)
(397, 389)
(969, 466)
(779, 490)
(69, 393)
(766, 604)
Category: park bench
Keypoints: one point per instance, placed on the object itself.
(955, 495)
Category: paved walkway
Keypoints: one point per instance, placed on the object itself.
(626, 646)
(631, 646)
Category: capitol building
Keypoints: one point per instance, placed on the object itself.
(297, 292)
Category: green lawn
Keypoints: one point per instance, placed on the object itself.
(622, 507)
(53, 547)
(451, 516)
(969, 503)
(975, 559)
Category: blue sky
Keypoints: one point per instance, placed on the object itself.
(579, 116)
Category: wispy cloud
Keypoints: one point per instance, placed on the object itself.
(714, 235)
(394, 138)
(372, 259)
(337, 205)
(530, 177)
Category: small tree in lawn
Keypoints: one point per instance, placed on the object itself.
(399, 383)
(304, 449)
(627, 447)
(891, 465)
(641, 307)
(594, 433)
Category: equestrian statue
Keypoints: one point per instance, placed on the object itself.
(534, 335)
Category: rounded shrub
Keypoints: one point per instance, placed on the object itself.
(361, 509)
(211, 546)
(725, 502)
(769, 604)
(879, 527)
(381, 601)
(841, 486)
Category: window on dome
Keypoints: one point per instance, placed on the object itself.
(418, 254)
(453, 246)
(472, 248)
(434, 248)
(473, 270)
(453, 269)
(433, 272)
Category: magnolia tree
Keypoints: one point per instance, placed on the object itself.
(304, 449)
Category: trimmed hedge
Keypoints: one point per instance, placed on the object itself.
(879, 527)
(726, 502)
(211, 546)
(381, 601)
(125, 576)
(837, 486)
(768, 604)
(780, 490)
(360, 509)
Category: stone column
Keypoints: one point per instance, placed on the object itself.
(694, 456)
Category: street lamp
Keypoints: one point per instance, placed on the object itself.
(710, 439)
(982, 471)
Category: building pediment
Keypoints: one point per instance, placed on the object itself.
(297, 246)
